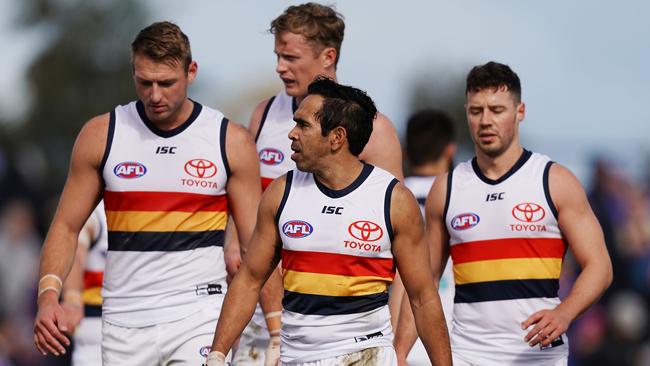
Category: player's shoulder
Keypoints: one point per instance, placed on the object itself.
(96, 129)
(562, 181)
(237, 134)
(383, 123)
(258, 115)
(276, 191)
(559, 172)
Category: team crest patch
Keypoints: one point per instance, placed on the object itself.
(270, 156)
(465, 221)
(129, 170)
(297, 229)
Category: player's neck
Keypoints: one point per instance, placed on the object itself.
(494, 167)
(178, 118)
(430, 169)
(338, 174)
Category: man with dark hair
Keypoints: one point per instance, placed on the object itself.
(429, 143)
(339, 225)
(507, 217)
(430, 149)
(308, 40)
(169, 170)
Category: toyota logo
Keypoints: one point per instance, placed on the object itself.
(200, 168)
(365, 230)
(528, 212)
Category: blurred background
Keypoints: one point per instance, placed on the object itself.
(585, 80)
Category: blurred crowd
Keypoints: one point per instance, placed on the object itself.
(613, 332)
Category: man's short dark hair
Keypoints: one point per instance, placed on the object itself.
(493, 75)
(428, 132)
(347, 107)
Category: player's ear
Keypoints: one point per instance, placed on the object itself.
(328, 57)
(521, 111)
(192, 69)
(338, 138)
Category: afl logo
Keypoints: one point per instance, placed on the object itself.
(129, 170)
(200, 168)
(365, 230)
(528, 212)
(205, 351)
(465, 221)
(271, 156)
(297, 229)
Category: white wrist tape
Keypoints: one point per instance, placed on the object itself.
(52, 276)
(216, 358)
(273, 314)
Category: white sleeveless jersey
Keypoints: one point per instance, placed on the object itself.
(420, 186)
(274, 150)
(337, 265)
(166, 208)
(272, 140)
(507, 251)
(93, 276)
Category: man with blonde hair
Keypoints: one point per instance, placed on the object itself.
(308, 39)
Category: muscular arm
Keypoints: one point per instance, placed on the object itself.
(248, 184)
(437, 242)
(257, 266)
(412, 256)
(81, 194)
(232, 246)
(73, 286)
(584, 235)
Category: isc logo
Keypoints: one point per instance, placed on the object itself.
(464, 221)
(297, 229)
(271, 156)
(129, 170)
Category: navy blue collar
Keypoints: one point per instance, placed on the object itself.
(196, 110)
(332, 193)
(525, 155)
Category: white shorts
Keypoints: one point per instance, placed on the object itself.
(252, 346)
(376, 356)
(88, 342)
(458, 362)
(183, 342)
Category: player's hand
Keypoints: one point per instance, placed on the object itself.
(272, 355)
(74, 312)
(548, 325)
(49, 325)
(232, 258)
(401, 360)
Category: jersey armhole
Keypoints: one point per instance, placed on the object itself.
(547, 191)
(109, 141)
(222, 142)
(264, 115)
(447, 196)
(387, 200)
(285, 195)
